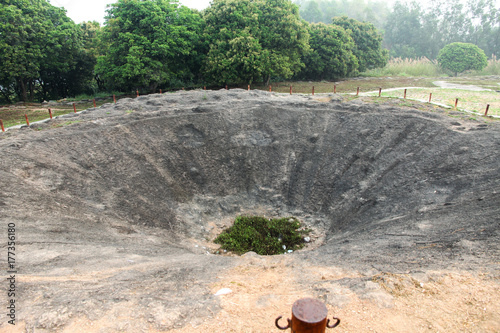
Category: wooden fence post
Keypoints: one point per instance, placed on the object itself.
(50, 113)
(1, 124)
(487, 109)
(27, 120)
(430, 97)
(379, 92)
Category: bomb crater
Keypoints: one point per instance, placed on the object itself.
(118, 210)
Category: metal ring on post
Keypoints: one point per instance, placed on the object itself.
(334, 325)
(280, 327)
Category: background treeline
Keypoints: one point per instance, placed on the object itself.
(412, 30)
(153, 44)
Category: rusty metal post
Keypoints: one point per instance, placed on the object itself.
(248, 88)
(114, 97)
(95, 105)
(313, 90)
(204, 87)
(290, 90)
(137, 92)
(160, 92)
(27, 120)
(430, 97)
(309, 315)
(405, 94)
(487, 109)
(74, 107)
(379, 92)
(1, 124)
(50, 113)
(456, 103)
(226, 86)
(335, 89)
(357, 92)
(270, 88)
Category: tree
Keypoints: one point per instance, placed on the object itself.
(460, 57)
(331, 54)
(368, 42)
(252, 40)
(148, 43)
(39, 48)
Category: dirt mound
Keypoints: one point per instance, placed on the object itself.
(114, 211)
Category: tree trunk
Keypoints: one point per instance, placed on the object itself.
(24, 92)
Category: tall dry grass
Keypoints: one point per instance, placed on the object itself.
(493, 67)
(408, 67)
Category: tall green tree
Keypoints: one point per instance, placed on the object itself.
(331, 55)
(368, 42)
(253, 39)
(39, 47)
(148, 43)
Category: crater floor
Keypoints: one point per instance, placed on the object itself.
(115, 210)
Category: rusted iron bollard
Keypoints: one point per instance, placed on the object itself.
(430, 97)
(456, 103)
(1, 124)
(313, 90)
(114, 98)
(309, 315)
(270, 89)
(379, 92)
(335, 89)
(74, 108)
(137, 92)
(290, 90)
(95, 105)
(50, 113)
(487, 109)
(357, 92)
(27, 120)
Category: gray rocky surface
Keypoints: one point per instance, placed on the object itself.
(111, 211)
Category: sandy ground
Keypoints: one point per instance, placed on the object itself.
(265, 288)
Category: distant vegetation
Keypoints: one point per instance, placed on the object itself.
(158, 44)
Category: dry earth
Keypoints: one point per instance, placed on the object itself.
(114, 214)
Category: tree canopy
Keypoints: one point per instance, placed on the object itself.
(368, 42)
(331, 55)
(253, 39)
(41, 51)
(460, 57)
(147, 44)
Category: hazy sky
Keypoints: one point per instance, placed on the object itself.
(95, 10)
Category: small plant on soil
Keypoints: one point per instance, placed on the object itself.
(263, 236)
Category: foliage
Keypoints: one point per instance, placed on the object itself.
(315, 11)
(261, 235)
(460, 57)
(368, 42)
(147, 44)
(331, 54)
(40, 51)
(415, 31)
(251, 40)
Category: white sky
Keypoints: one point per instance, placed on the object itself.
(95, 10)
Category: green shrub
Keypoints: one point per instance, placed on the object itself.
(263, 236)
(460, 57)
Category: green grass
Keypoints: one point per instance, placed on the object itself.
(475, 101)
(263, 236)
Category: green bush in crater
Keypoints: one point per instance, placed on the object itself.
(262, 235)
